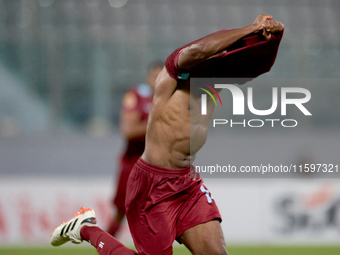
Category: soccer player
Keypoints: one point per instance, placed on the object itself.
(133, 120)
(166, 200)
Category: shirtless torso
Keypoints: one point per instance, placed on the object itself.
(176, 129)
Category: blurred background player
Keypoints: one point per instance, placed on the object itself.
(133, 121)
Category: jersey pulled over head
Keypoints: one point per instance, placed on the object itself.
(249, 57)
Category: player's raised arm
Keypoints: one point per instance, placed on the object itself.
(218, 42)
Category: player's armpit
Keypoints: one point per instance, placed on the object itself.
(164, 88)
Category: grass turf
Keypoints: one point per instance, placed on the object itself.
(233, 250)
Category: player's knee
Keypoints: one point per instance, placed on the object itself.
(216, 251)
(221, 252)
(218, 248)
(224, 253)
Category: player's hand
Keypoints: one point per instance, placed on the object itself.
(267, 25)
(271, 26)
(259, 22)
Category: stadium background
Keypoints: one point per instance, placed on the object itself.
(64, 67)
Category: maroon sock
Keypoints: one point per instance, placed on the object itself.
(104, 242)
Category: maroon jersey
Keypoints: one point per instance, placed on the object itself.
(249, 57)
(137, 99)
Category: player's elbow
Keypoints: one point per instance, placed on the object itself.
(193, 55)
(201, 52)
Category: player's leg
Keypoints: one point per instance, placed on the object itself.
(205, 238)
(198, 226)
(152, 229)
(104, 243)
(119, 198)
(83, 227)
(152, 234)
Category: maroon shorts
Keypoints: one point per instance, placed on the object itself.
(126, 166)
(162, 203)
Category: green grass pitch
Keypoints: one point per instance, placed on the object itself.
(232, 250)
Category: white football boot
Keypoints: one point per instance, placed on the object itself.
(70, 230)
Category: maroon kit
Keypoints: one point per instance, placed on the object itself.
(162, 203)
